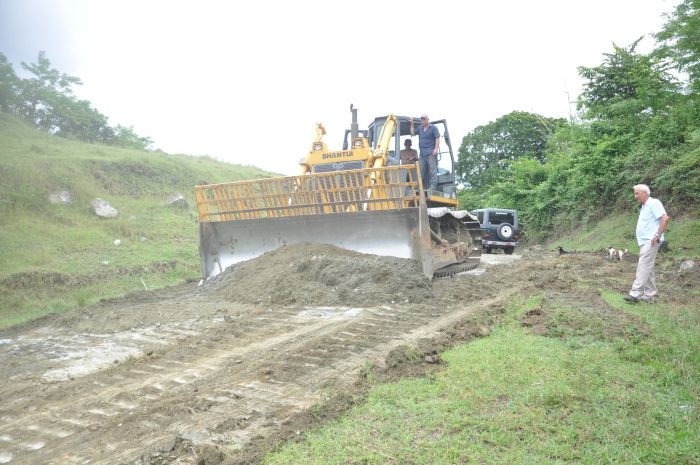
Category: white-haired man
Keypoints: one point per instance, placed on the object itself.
(651, 225)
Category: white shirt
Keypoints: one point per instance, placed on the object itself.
(649, 221)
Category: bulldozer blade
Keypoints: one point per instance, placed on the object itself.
(380, 211)
(403, 233)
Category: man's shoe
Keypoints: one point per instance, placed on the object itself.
(650, 299)
(631, 298)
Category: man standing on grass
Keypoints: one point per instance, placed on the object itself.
(651, 225)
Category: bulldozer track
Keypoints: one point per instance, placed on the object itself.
(220, 377)
(457, 268)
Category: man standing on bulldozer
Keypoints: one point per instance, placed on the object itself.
(428, 143)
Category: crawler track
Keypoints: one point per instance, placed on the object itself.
(198, 369)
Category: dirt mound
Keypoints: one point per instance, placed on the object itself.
(323, 275)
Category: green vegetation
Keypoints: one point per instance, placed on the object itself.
(57, 257)
(637, 121)
(618, 231)
(47, 102)
(583, 391)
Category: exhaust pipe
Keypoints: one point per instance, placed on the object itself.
(354, 127)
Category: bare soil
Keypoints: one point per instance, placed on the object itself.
(223, 371)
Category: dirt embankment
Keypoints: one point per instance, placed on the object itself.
(220, 373)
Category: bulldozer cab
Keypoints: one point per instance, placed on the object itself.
(445, 193)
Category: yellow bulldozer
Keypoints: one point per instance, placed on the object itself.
(359, 198)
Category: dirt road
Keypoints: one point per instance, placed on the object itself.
(222, 371)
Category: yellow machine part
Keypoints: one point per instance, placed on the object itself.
(378, 210)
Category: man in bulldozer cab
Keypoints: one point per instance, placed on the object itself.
(408, 155)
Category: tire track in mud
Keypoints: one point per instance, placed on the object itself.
(223, 380)
(100, 401)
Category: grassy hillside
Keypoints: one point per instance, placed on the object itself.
(56, 257)
(618, 230)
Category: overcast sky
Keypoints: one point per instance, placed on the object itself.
(246, 82)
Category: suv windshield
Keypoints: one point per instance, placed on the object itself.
(498, 217)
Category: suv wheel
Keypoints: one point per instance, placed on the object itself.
(505, 231)
(509, 250)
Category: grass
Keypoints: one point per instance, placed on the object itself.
(619, 231)
(569, 396)
(70, 253)
(75, 262)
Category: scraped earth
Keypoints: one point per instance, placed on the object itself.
(223, 371)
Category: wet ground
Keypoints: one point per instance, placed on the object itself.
(220, 372)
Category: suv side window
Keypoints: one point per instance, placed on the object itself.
(480, 216)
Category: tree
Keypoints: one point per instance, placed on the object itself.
(680, 40)
(626, 90)
(46, 94)
(486, 154)
(631, 105)
(46, 100)
(679, 44)
(77, 119)
(8, 86)
(126, 137)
